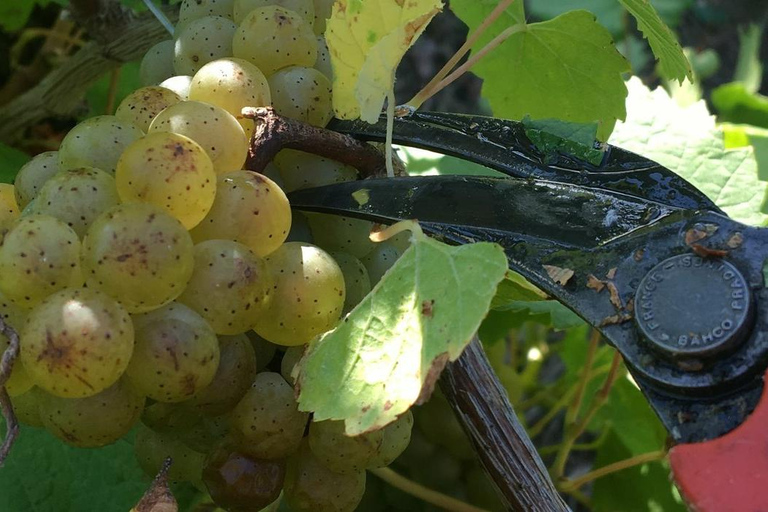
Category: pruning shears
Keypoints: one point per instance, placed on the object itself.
(673, 283)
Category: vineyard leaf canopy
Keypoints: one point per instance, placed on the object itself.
(373, 366)
(687, 141)
(367, 39)
(566, 68)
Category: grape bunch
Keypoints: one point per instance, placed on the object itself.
(160, 288)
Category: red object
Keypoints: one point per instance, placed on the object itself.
(730, 473)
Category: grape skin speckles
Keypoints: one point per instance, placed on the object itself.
(97, 142)
(142, 105)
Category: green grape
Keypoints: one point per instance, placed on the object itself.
(191, 10)
(312, 487)
(40, 255)
(400, 241)
(229, 287)
(201, 41)
(170, 171)
(379, 260)
(250, 209)
(26, 407)
(340, 452)
(308, 295)
(97, 142)
(151, 449)
(93, 421)
(142, 105)
(356, 280)
(236, 371)
(166, 417)
(323, 10)
(341, 234)
(33, 175)
(77, 197)
(179, 84)
(300, 231)
(395, 439)
(264, 350)
(323, 60)
(304, 8)
(9, 209)
(292, 356)
(204, 435)
(273, 38)
(139, 255)
(240, 483)
(232, 84)
(157, 63)
(19, 382)
(215, 129)
(267, 423)
(272, 172)
(176, 354)
(76, 343)
(302, 93)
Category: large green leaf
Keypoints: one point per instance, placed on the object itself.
(687, 141)
(14, 13)
(11, 160)
(566, 68)
(374, 365)
(735, 104)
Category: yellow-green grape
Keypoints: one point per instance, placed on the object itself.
(356, 280)
(191, 10)
(323, 61)
(379, 260)
(97, 142)
(250, 209)
(93, 421)
(300, 231)
(77, 197)
(179, 84)
(323, 10)
(33, 175)
(170, 171)
(292, 356)
(273, 38)
(230, 286)
(142, 105)
(167, 417)
(76, 343)
(307, 298)
(139, 255)
(400, 241)
(341, 234)
(215, 129)
(20, 382)
(151, 449)
(204, 435)
(312, 487)
(340, 452)
(395, 439)
(157, 64)
(305, 170)
(302, 93)
(201, 41)
(9, 209)
(237, 369)
(267, 423)
(176, 354)
(264, 350)
(304, 8)
(40, 255)
(26, 407)
(272, 172)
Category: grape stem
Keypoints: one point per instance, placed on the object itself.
(159, 495)
(423, 493)
(6, 408)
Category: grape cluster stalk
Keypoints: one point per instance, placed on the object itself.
(159, 287)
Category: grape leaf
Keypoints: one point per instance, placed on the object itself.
(741, 135)
(672, 61)
(737, 105)
(373, 366)
(687, 141)
(566, 68)
(366, 40)
(11, 160)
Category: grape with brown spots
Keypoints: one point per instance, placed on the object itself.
(151, 450)
(302, 93)
(379, 260)
(305, 170)
(201, 41)
(307, 298)
(33, 175)
(341, 234)
(170, 171)
(26, 406)
(142, 105)
(157, 63)
(97, 142)
(356, 280)
(76, 343)
(19, 382)
(179, 84)
(304, 8)
(39, 256)
(176, 354)
(249, 208)
(340, 452)
(139, 255)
